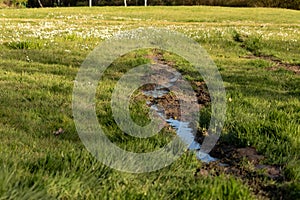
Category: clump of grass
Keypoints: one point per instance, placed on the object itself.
(253, 44)
(250, 43)
(28, 44)
(237, 36)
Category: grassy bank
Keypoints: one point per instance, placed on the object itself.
(256, 51)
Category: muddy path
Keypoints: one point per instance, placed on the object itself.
(277, 63)
(254, 49)
(244, 163)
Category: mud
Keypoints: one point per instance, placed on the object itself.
(245, 163)
(176, 101)
(169, 101)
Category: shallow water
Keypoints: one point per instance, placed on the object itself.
(186, 134)
(165, 79)
(156, 93)
(182, 129)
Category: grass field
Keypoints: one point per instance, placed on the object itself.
(256, 50)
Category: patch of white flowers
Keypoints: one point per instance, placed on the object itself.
(58, 25)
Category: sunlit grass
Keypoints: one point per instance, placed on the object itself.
(42, 49)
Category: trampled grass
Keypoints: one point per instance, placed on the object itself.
(42, 49)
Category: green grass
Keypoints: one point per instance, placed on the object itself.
(41, 51)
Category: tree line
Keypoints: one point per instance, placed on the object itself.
(291, 4)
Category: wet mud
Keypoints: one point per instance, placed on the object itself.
(245, 163)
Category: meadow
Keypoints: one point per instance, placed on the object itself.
(255, 49)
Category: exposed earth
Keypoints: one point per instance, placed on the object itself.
(245, 163)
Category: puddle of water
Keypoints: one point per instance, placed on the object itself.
(157, 92)
(182, 128)
(165, 79)
(205, 157)
(161, 90)
(186, 134)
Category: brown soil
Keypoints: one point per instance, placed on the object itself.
(169, 101)
(157, 57)
(244, 163)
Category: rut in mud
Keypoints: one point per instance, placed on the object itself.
(277, 63)
(244, 163)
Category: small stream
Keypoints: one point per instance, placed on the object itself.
(182, 128)
(186, 134)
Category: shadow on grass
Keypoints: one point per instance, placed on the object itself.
(267, 85)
